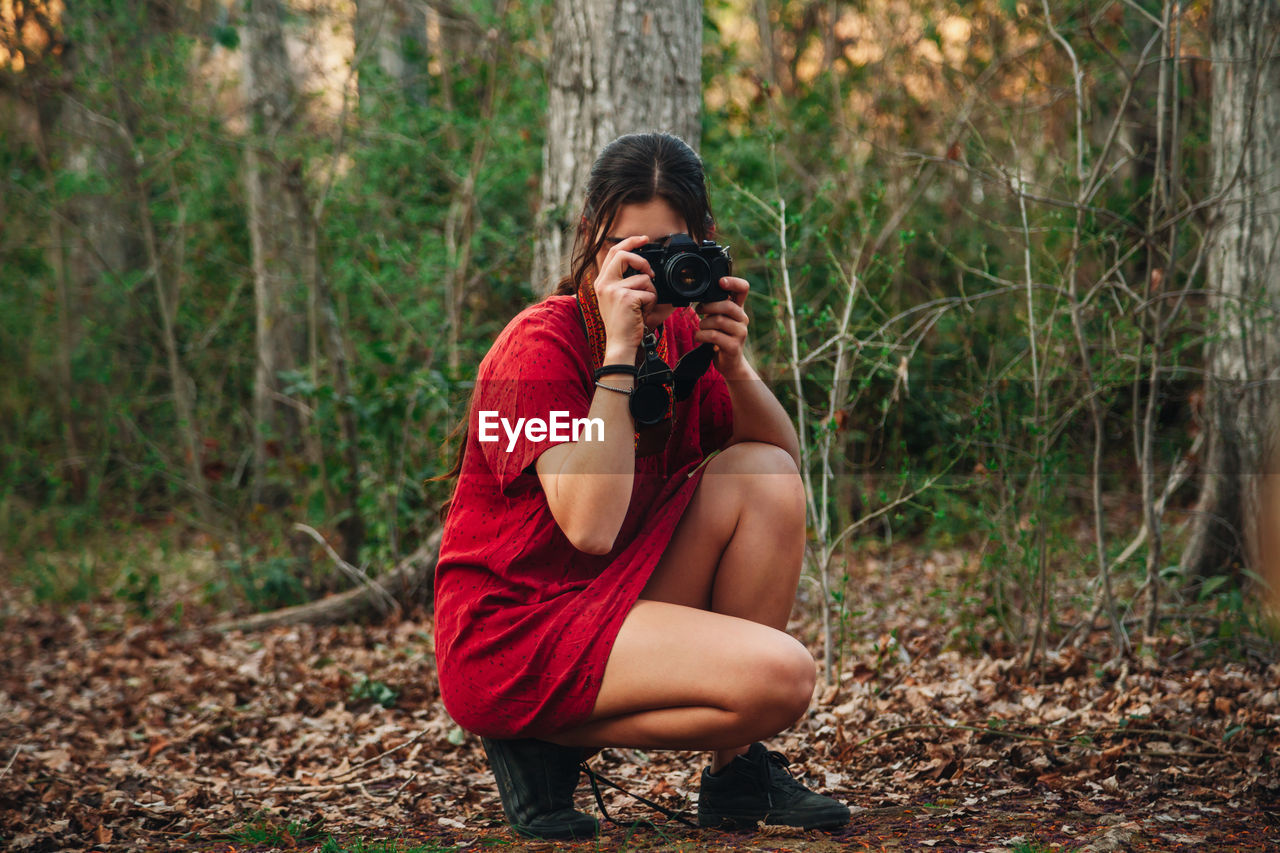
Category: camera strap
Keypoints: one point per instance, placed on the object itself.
(652, 399)
(657, 387)
(690, 367)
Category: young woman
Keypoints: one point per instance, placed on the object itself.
(624, 584)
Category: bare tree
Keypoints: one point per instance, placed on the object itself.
(279, 232)
(391, 36)
(93, 240)
(1243, 357)
(617, 66)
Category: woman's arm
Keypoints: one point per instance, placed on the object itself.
(588, 483)
(757, 414)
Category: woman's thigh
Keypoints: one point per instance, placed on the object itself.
(719, 670)
(739, 546)
(701, 660)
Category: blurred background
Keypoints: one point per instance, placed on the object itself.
(1014, 269)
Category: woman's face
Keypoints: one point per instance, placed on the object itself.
(655, 219)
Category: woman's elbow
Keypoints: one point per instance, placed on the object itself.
(591, 533)
(590, 511)
(591, 540)
(595, 547)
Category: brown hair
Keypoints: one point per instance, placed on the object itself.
(632, 169)
(635, 169)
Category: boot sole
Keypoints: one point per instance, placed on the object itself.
(566, 833)
(750, 823)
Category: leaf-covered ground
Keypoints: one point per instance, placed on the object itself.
(118, 733)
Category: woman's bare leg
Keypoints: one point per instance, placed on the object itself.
(702, 660)
(682, 678)
(739, 547)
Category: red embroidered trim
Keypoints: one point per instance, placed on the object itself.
(594, 323)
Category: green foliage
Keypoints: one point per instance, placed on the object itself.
(266, 827)
(228, 37)
(60, 581)
(962, 407)
(1025, 846)
(106, 443)
(91, 344)
(270, 828)
(139, 587)
(1237, 615)
(368, 690)
(267, 582)
(967, 418)
(360, 845)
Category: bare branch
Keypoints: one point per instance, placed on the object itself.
(385, 601)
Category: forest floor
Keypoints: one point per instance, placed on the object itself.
(122, 733)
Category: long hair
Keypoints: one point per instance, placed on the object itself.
(632, 169)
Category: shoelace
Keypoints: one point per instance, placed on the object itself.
(596, 780)
(775, 767)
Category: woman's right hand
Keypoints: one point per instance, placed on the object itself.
(623, 299)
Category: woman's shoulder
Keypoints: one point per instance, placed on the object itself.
(555, 314)
(550, 326)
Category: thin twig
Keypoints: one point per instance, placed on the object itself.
(398, 791)
(1177, 476)
(353, 768)
(386, 600)
(307, 789)
(12, 758)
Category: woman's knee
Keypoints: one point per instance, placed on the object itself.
(766, 478)
(784, 689)
(753, 457)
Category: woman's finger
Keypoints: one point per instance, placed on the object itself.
(737, 288)
(727, 346)
(628, 261)
(724, 326)
(619, 258)
(726, 320)
(724, 308)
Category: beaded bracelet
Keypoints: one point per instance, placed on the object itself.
(626, 391)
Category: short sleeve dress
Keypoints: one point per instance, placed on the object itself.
(524, 622)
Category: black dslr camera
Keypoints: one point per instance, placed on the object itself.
(684, 271)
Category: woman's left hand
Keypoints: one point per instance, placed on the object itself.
(724, 324)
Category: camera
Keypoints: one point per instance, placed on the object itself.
(685, 272)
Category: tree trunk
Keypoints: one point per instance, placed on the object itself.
(768, 47)
(279, 237)
(94, 234)
(391, 43)
(351, 527)
(1243, 356)
(168, 293)
(1269, 525)
(617, 66)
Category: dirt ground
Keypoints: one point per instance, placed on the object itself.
(118, 733)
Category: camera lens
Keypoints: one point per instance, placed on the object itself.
(688, 275)
(649, 404)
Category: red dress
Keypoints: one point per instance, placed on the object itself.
(524, 621)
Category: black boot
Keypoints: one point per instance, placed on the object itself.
(757, 787)
(536, 780)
